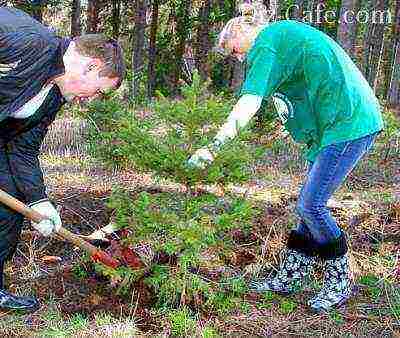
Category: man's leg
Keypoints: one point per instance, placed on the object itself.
(328, 172)
(10, 230)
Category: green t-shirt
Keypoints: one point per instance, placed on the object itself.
(328, 98)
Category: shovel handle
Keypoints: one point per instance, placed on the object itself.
(36, 217)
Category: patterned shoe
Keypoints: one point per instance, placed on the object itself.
(291, 274)
(9, 301)
(337, 288)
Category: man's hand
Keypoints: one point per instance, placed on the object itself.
(201, 158)
(50, 225)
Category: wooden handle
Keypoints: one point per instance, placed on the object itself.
(36, 217)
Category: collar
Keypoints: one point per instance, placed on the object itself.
(58, 67)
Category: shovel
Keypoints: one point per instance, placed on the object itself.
(96, 254)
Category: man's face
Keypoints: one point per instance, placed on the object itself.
(88, 84)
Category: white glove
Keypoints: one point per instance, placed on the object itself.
(201, 158)
(50, 225)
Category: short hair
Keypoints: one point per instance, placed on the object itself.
(107, 50)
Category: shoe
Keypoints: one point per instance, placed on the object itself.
(8, 301)
(337, 288)
(299, 261)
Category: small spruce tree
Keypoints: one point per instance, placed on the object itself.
(189, 235)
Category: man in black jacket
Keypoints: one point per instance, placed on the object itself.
(39, 72)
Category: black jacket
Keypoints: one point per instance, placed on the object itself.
(30, 56)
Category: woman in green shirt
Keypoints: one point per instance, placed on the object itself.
(323, 101)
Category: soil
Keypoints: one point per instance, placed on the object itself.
(82, 213)
(85, 211)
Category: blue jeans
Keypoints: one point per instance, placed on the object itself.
(325, 175)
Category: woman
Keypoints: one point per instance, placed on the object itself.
(324, 102)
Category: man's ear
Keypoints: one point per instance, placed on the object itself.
(94, 65)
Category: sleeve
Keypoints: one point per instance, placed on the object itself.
(23, 156)
(25, 62)
(264, 74)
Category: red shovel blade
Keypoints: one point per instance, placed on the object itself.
(102, 257)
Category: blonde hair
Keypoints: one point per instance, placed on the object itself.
(242, 30)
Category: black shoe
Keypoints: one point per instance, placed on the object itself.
(8, 301)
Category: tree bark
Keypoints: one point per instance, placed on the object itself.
(238, 75)
(76, 28)
(203, 43)
(347, 30)
(116, 17)
(273, 9)
(318, 8)
(152, 50)
(374, 46)
(93, 9)
(182, 20)
(138, 46)
(393, 96)
(299, 6)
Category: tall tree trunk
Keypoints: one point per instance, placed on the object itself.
(238, 75)
(347, 27)
(393, 96)
(182, 19)
(354, 30)
(203, 43)
(374, 46)
(299, 6)
(116, 17)
(318, 8)
(138, 46)
(76, 28)
(274, 6)
(152, 50)
(273, 9)
(93, 9)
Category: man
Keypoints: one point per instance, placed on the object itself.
(39, 72)
(323, 101)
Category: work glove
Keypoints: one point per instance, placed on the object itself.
(52, 223)
(201, 158)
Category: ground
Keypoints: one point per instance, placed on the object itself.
(77, 303)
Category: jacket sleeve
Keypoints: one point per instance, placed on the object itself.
(29, 58)
(22, 154)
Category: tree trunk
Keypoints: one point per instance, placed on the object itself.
(152, 50)
(374, 46)
(138, 46)
(203, 44)
(393, 96)
(299, 7)
(116, 17)
(182, 19)
(273, 9)
(347, 28)
(318, 8)
(76, 28)
(238, 75)
(93, 9)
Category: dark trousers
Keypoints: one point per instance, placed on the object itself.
(10, 221)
